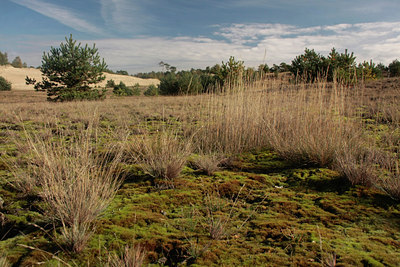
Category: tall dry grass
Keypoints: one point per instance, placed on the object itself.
(316, 124)
(75, 181)
(313, 124)
(162, 155)
(302, 124)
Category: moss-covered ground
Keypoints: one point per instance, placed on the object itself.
(260, 210)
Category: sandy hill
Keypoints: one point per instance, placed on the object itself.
(17, 78)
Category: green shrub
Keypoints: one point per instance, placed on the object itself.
(4, 84)
(152, 90)
(184, 82)
(136, 89)
(110, 84)
(311, 66)
(75, 95)
(394, 68)
(368, 71)
(122, 90)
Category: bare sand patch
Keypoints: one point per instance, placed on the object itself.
(17, 78)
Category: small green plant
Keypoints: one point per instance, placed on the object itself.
(4, 84)
(152, 90)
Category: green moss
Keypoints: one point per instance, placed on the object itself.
(272, 214)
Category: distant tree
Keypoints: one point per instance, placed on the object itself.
(17, 62)
(69, 71)
(3, 59)
(308, 66)
(4, 84)
(122, 72)
(283, 67)
(311, 66)
(341, 66)
(384, 69)
(263, 68)
(394, 68)
(167, 67)
(230, 71)
(152, 90)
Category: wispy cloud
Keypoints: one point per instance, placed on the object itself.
(377, 41)
(124, 16)
(60, 14)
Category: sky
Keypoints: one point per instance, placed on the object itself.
(135, 35)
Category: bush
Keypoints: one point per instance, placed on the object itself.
(4, 85)
(136, 89)
(122, 90)
(181, 83)
(152, 90)
(71, 95)
(110, 84)
(394, 68)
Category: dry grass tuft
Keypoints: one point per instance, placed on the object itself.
(75, 183)
(208, 163)
(162, 155)
(132, 256)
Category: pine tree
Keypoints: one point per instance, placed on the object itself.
(17, 62)
(69, 71)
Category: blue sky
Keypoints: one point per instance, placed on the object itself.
(135, 35)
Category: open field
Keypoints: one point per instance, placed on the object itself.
(266, 174)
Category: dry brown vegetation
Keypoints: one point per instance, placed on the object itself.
(75, 183)
(319, 124)
(66, 154)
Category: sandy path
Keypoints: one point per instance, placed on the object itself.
(17, 78)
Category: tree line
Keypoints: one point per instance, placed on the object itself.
(70, 70)
(16, 63)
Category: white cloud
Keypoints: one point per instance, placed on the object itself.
(60, 14)
(377, 41)
(124, 16)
